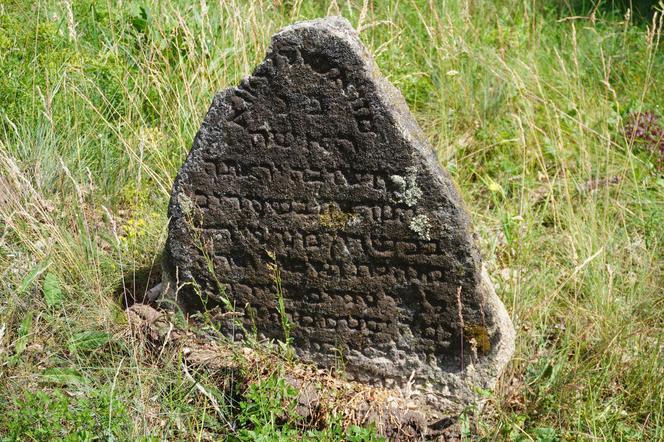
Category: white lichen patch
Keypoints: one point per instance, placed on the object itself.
(186, 204)
(421, 225)
(408, 193)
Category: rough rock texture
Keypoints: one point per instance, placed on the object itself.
(313, 177)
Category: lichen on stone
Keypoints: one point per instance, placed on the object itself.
(408, 193)
(421, 225)
(186, 204)
(480, 335)
(333, 218)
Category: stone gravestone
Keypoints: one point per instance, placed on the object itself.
(312, 180)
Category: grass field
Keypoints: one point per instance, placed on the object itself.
(526, 103)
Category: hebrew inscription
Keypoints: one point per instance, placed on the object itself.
(311, 175)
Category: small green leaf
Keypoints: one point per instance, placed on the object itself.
(52, 291)
(546, 435)
(88, 341)
(62, 375)
(30, 278)
(23, 331)
(140, 20)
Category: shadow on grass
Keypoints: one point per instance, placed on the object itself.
(139, 286)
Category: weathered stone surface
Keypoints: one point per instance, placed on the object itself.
(315, 164)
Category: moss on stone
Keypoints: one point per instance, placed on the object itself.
(333, 218)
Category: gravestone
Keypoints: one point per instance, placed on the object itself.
(311, 182)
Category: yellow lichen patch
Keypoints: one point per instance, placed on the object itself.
(480, 335)
(333, 218)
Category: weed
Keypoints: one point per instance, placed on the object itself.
(57, 415)
(281, 305)
(268, 412)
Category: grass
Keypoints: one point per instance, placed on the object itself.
(523, 101)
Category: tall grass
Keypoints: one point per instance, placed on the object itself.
(523, 102)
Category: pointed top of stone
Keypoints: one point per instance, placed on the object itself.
(338, 31)
(311, 181)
